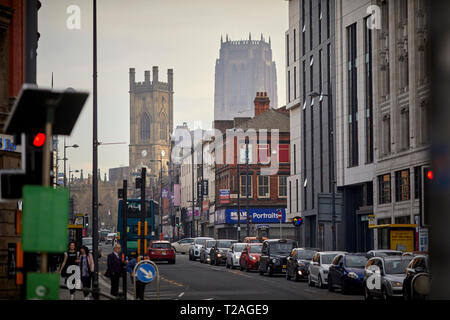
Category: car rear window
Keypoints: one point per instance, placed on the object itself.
(161, 246)
(305, 254)
(281, 247)
(239, 247)
(224, 244)
(327, 258)
(396, 266)
(200, 241)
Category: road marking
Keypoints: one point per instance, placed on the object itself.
(180, 295)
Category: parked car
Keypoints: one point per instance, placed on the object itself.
(416, 284)
(183, 245)
(274, 255)
(390, 277)
(383, 253)
(255, 239)
(204, 251)
(318, 268)
(234, 254)
(346, 272)
(87, 241)
(250, 256)
(161, 250)
(110, 238)
(218, 253)
(298, 263)
(194, 250)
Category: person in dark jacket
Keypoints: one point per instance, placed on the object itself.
(115, 269)
(70, 258)
(140, 286)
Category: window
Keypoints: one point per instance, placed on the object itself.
(402, 190)
(368, 92)
(404, 130)
(289, 86)
(417, 182)
(310, 25)
(304, 81)
(320, 122)
(328, 19)
(384, 183)
(295, 83)
(290, 195)
(386, 134)
(402, 220)
(319, 21)
(352, 96)
(295, 45)
(296, 190)
(263, 187)
(145, 127)
(282, 185)
(283, 153)
(244, 186)
(303, 28)
(287, 50)
(295, 159)
(263, 153)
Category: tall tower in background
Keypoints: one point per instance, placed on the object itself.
(244, 67)
(151, 123)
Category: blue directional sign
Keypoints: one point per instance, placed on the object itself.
(146, 273)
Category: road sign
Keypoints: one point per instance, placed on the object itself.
(280, 215)
(42, 286)
(146, 273)
(297, 221)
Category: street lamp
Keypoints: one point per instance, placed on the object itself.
(333, 180)
(65, 159)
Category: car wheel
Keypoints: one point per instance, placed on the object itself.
(330, 284)
(319, 281)
(367, 295)
(310, 283)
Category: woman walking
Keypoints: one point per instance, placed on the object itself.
(86, 270)
(70, 259)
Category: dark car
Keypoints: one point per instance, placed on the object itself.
(274, 254)
(347, 272)
(298, 263)
(218, 253)
(416, 285)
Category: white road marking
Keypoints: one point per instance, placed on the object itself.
(180, 295)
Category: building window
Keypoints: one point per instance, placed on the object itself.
(320, 122)
(295, 159)
(352, 97)
(145, 127)
(319, 21)
(404, 128)
(310, 25)
(282, 185)
(384, 183)
(295, 83)
(263, 153)
(295, 45)
(297, 194)
(386, 134)
(303, 28)
(304, 81)
(290, 196)
(402, 189)
(368, 92)
(402, 220)
(289, 86)
(287, 50)
(328, 19)
(417, 182)
(263, 187)
(244, 186)
(283, 153)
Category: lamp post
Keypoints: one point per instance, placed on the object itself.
(65, 159)
(333, 180)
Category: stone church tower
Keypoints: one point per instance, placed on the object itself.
(151, 123)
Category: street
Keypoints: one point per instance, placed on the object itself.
(192, 280)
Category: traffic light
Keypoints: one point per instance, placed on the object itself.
(427, 185)
(86, 221)
(177, 221)
(297, 221)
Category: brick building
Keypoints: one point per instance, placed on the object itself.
(267, 193)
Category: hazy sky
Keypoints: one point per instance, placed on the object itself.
(179, 34)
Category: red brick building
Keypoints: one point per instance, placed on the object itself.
(267, 193)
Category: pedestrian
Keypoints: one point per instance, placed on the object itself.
(86, 270)
(140, 286)
(115, 269)
(70, 259)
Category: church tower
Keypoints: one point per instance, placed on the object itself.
(151, 123)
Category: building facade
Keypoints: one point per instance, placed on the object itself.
(382, 101)
(267, 193)
(310, 68)
(243, 68)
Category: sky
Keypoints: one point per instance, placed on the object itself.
(180, 34)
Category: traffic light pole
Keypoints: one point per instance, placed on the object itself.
(124, 231)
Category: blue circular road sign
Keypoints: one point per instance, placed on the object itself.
(146, 273)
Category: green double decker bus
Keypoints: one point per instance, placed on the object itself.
(133, 223)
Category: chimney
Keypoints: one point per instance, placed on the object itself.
(155, 74)
(262, 103)
(147, 76)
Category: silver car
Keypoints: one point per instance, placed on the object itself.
(383, 253)
(194, 250)
(234, 254)
(318, 268)
(182, 246)
(204, 251)
(383, 276)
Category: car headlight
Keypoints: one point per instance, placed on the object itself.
(253, 258)
(353, 275)
(219, 255)
(274, 261)
(396, 284)
(236, 256)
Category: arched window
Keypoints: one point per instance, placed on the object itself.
(145, 127)
(163, 130)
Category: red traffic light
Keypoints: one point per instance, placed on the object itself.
(39, 140)
(430, 174)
